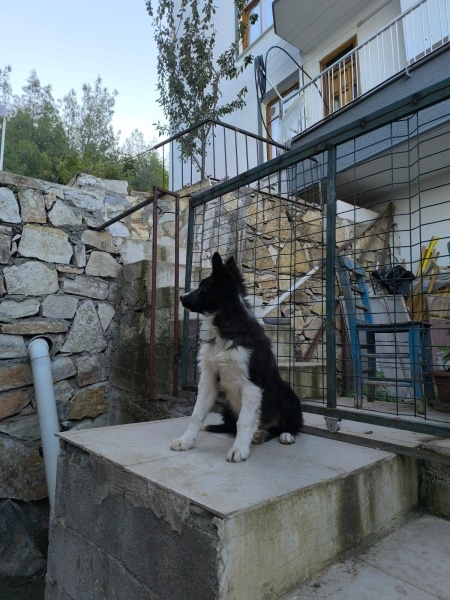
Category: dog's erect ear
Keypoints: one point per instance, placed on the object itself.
(217, 262)
(234, 272)
(230, 262)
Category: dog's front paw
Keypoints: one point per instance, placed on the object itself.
(181, 444)
(287, 438)
(236, 454)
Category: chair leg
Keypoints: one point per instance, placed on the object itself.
(371, 364)
(357, 369)
(415, 360)
(425, 345)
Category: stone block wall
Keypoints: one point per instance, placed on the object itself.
(58, 278)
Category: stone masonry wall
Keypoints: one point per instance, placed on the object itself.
(58, 278)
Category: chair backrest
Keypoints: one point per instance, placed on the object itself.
(352, 279)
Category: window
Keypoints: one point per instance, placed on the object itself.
(262, 9)
(340, 84)
(275, 110)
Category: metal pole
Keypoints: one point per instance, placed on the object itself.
(158, 193)
(2, 145)
(187, 286)
(330, 301)
(176, 341)
(151, 370)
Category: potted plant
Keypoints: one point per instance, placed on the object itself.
(442, 380)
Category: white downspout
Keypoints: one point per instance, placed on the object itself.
(39, 352)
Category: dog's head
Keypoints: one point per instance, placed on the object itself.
(224, 282)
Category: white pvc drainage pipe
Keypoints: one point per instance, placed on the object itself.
(39, 352)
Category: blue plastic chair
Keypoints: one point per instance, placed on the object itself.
(365, 344)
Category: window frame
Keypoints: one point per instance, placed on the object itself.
(245, 18)
(290, 87)
(327, 62)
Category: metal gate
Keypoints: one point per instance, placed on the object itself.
(344, 246)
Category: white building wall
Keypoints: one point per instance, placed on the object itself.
(366, 29)
(420, 218)
(280, 67)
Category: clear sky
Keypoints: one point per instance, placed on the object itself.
(70, 42)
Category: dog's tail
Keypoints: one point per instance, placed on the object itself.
(291, 410)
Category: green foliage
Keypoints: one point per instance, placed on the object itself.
(189, 76)
(88, 123)
(54, 140)
(145, 168)
(5, 85)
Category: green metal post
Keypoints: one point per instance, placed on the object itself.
(187, 287)
(330, 300)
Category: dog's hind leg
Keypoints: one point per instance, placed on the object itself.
(260, 436)
(247, 423)
(207, 393)
(292, 415)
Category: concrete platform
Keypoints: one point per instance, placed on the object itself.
(409, 563)
(135, 520)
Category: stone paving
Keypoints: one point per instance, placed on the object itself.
(412, 562)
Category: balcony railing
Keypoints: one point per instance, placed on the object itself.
(416, 33)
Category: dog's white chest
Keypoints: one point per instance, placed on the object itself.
(229, 364)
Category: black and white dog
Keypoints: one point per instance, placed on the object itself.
(236, 352)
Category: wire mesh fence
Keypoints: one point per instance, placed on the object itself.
(345, 255)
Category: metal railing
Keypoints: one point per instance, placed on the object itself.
(413, 35)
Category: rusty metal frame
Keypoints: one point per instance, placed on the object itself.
(157, 194)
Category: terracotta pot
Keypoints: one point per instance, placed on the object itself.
(442, 379)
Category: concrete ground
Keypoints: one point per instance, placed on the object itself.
(413, 562)
(315, 498)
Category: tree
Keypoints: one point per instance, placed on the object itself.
(188, 74)
(53, 140)
(88, 124)
(36, 137)
(144, 167)
(5, 86)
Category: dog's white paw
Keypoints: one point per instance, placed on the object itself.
(236, 454)
(287, 438)
(182, 444)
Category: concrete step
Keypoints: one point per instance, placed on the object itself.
(309, 379)
(135, 520)
(282, 339)
(411, 562)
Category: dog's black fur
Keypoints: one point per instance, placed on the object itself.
(233, 326)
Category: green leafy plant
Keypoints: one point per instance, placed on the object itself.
(191, 71)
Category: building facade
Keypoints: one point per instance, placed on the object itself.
(319, 68)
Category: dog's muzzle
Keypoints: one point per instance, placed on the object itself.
(183, 298)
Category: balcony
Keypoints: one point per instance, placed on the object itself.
(305, 24)
(413, 35)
